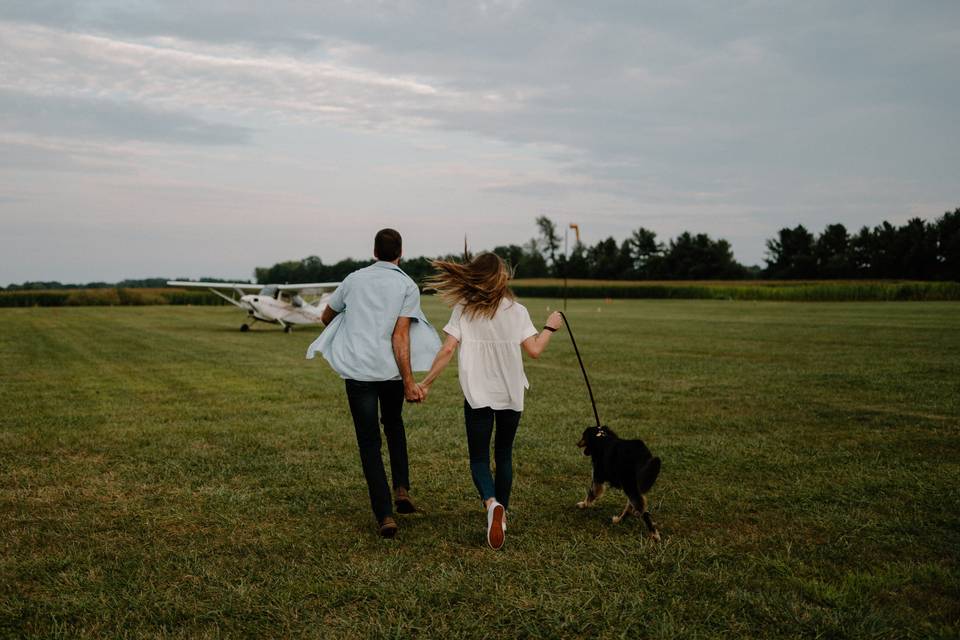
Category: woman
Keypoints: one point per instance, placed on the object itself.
(490, 327)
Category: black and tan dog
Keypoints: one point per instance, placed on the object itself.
(623, 464)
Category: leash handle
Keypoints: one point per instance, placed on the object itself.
(596, 415)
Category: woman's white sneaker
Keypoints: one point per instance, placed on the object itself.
(496, 528)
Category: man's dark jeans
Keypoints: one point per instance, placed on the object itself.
(364, 398)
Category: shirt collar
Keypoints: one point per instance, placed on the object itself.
(387, 265)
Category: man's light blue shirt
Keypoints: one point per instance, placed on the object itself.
(358, 342)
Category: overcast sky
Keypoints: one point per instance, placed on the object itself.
(184, 138)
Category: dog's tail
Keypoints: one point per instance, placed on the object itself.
(647, 474)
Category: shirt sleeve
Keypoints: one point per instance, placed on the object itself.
(337, 301)
(453, 326)
(527, 329)
(411, 302)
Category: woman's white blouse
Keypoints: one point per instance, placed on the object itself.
(490, 362)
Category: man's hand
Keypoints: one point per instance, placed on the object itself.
(412, 392)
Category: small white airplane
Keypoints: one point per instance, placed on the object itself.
(281, 304)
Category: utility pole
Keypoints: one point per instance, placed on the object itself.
(566, 258)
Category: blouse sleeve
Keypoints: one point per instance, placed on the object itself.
(527, 329)
(453, 325)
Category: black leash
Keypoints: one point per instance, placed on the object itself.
(580, 360)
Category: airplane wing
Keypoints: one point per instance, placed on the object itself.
(237, 288)
(246, 286)
(309, 288)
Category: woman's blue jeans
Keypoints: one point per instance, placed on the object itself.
(480, 428)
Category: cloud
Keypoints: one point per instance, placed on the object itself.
(87, 117)
(171, 74)
(603, 88)
(741, 117)
(30, 156)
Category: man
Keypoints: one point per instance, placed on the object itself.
(375, 337)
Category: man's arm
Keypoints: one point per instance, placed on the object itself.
(401, 352)
(328, 315)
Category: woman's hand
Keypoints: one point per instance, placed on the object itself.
(555, 320)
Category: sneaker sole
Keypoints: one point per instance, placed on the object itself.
(495, 533)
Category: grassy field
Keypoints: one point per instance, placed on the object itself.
(164, 475)
(587, 282)
(752, 290)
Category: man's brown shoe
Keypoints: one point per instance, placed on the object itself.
(388, 527)
(402, 502)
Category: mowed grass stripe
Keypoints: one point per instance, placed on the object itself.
(163, 474)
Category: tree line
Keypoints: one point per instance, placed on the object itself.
(140, 283)
(917, 250)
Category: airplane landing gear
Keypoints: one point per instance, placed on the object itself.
(287, 329)
(244, 327)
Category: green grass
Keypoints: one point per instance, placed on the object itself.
(755, 290)
(767, 290)
(164, 475)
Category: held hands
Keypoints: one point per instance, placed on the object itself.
(416, 392)
(424, 390)
(413, 392)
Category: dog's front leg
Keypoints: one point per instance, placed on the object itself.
(593, 494)
(627, 510)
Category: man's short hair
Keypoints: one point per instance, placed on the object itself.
(387, 245)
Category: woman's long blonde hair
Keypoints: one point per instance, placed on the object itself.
(479, 284)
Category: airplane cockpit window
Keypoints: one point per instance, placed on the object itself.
(269, 291)
(297, 300)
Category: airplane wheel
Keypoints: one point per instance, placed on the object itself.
(287, 329)
(244, 327)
